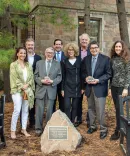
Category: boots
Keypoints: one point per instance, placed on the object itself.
(115, 135)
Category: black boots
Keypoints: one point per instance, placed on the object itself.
(115, 135)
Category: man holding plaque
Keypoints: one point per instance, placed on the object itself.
(47, 75)
(96, 73)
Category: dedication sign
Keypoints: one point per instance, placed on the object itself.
(58, 132)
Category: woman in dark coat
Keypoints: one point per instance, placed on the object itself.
(71, 83)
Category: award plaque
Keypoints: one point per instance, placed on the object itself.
(57, 132)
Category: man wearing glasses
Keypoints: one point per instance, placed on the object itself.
(96, 73)
(47, 75)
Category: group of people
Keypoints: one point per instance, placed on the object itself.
(36, 83)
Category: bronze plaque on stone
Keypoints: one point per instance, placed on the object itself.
(58, 132)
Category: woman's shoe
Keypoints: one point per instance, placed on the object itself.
(23, 131)
(115, 135)
(13, 135)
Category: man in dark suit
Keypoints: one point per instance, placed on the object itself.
(47, 75)
(59, 56)
(96, 72)
(32, 59)
(83, 52)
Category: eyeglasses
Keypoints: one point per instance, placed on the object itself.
(50, 53)
(94, 48)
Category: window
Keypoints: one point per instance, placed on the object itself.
(94, 28)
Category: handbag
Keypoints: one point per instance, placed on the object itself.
(25, 97)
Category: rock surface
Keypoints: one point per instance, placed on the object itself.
(74, 138)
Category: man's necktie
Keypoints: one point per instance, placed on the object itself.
(48, 67)
(58, 56)
(93, 64)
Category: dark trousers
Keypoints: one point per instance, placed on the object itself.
(79, 111)
(32, 116)
(60, 101)
(70, 107)
(116, 91)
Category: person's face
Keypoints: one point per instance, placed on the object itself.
(94, 49)
(84, 41)
(118, 48)
(30, 46)
(49, 54)
(70, 52)
(58, 46)
(21, 54)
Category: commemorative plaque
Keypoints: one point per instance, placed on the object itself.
(57, 132)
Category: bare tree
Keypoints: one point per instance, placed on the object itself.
(122, 21)
(87, 16)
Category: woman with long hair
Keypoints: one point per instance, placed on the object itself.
(120, 61)
(22, 89)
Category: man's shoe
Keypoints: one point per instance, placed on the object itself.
(38, 132)
(115, 135)
(32, 127)
(103, 135)
(76, 124)
(91, 130)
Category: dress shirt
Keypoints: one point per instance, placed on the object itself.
(31, 59)
(58, 53)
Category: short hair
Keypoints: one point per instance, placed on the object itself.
(29, 39)
(74, 46)
(17, 51)
(84, 34)
(50, 49)
(58, 40)
(93, 42)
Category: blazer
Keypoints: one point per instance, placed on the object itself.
(54, 74)
(36, 58)
(88, 52)
(17, 81)
(102, 72)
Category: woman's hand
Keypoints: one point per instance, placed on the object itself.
(125, 92)
(109, 93)
(25, 86)
(62, 93)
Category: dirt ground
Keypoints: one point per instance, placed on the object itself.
(91, 144)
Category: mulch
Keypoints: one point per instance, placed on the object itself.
(91, 144)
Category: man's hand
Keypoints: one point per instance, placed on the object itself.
(47, 81)
(95, 81)
(87, 79)
(62, 93)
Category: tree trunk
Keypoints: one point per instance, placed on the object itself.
(7, 85)
(122, 21)
(87, 16)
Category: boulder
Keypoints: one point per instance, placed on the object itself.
(52, 143)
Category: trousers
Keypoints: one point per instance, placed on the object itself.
(19, 105)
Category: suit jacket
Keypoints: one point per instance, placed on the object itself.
(88, 52)
(54, 74)
(102, 72)
(62, 56)
(36, 58)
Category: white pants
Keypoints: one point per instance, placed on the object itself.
(19, 104)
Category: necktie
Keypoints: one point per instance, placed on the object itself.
(93, 64)
(48, 67)
(58, 56)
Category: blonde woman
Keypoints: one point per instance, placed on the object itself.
(71, 83)
(22, 84)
